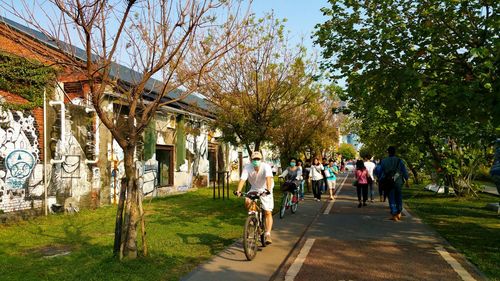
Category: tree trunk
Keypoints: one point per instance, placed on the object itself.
(129, 243)
(415, 173)
(119, 219)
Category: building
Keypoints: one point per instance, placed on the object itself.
(54, 150)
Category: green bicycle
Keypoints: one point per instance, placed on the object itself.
(290, 199)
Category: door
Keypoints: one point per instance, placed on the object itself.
(165, 158)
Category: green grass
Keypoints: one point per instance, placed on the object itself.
(182, 231)
(465, 223)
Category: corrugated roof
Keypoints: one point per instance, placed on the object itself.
(118, 71)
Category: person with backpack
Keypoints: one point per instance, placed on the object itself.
(361, 175)
(394, 175)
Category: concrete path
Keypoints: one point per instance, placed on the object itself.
(231, 264)
(350, 243)
(335, 240)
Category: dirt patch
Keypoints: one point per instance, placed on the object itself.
(52, 251)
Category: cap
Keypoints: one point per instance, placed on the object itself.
(256, 155)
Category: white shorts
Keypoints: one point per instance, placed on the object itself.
(267, 201)
(331, 184)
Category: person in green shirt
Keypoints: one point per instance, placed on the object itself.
(331, 172)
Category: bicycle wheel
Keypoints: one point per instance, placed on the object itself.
(295, 202)
(284, 202)
(250, 235)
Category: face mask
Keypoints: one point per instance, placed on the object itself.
(292, 164)
(256, 163)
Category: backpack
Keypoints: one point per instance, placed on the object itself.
(390, 178)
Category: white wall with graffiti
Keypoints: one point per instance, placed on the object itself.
(21, 171)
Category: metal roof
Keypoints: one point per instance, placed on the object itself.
(118, 71)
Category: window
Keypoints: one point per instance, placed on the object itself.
(165, 158)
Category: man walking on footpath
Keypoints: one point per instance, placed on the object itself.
(394, 175)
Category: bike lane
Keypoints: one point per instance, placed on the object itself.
(350, 243)
(231, 264)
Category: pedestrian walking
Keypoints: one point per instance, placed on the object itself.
(301, 185)
(378, 175)
(370, 167)
(306, 174)
(324, 184)
(316, 178)
(361, 175)
(394, 175)
(331, 172)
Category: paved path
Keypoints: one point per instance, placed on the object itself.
(231, 264)
(350, 243)
(338, 241)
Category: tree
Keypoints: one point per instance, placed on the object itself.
(308, 126)
(173, 40)
(347, 151)
(416, 81)
(257, 83)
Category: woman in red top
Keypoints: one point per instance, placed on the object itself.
(362, 178)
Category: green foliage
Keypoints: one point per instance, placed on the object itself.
(422, 75)
(365, 153)
(347, 150)
(25, 78)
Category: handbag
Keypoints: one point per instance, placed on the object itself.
(355, 183)
(327, 173)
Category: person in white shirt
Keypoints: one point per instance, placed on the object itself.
(370, 167)
(260, 177)
(316, 178)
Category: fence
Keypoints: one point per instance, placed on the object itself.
(222, 180)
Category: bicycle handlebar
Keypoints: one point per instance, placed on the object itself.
(265, 192)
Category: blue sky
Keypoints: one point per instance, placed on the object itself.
(302, 16)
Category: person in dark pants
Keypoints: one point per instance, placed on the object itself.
(324, 184)
(361, 175)
(394, 175)
(381, 190)
(317, 178)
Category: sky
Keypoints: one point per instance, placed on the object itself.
(302, 16)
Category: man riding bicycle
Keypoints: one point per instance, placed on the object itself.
(260, 177)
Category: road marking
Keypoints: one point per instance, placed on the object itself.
(454, 264)
(299, 261)
(330, 205)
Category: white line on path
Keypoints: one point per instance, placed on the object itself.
(299, 261)
(454, 264)
(330, 205)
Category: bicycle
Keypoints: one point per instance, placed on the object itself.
(255, 227)
(290, 199)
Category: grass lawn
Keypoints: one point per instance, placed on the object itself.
(182, 232)
(464, 222)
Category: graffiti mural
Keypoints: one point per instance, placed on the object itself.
(20, 170)
(19, 164)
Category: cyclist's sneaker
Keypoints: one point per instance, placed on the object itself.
(269, 241)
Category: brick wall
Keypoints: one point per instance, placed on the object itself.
(37, 113)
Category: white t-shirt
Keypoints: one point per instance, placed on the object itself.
(370, 167)
(257, 179)
(316, 174)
